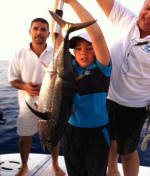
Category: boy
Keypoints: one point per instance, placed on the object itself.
(86, 140)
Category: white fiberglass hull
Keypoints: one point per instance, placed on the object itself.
(40, 165)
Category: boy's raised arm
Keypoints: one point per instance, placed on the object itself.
(94, 31)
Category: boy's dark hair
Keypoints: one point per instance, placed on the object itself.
(76, 39)
(42, 20)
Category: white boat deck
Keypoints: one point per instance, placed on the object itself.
(40, 165)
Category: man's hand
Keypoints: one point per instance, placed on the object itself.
(32, 89)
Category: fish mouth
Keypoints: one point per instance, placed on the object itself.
(41, 115)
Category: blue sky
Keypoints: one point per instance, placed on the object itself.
(16, 15)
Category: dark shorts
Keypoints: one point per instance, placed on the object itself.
(85, 151)
(125, 126)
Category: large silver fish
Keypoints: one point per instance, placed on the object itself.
(54, 105)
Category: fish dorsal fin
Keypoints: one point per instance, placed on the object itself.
(70, 27)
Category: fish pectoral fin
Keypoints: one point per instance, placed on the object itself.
(43, 116)
(44, 65)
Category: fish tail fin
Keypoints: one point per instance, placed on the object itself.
(70, 27)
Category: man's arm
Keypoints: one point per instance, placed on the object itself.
(106, 5)
(31, 88)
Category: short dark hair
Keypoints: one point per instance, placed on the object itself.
(42, 20)
(74, 41)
